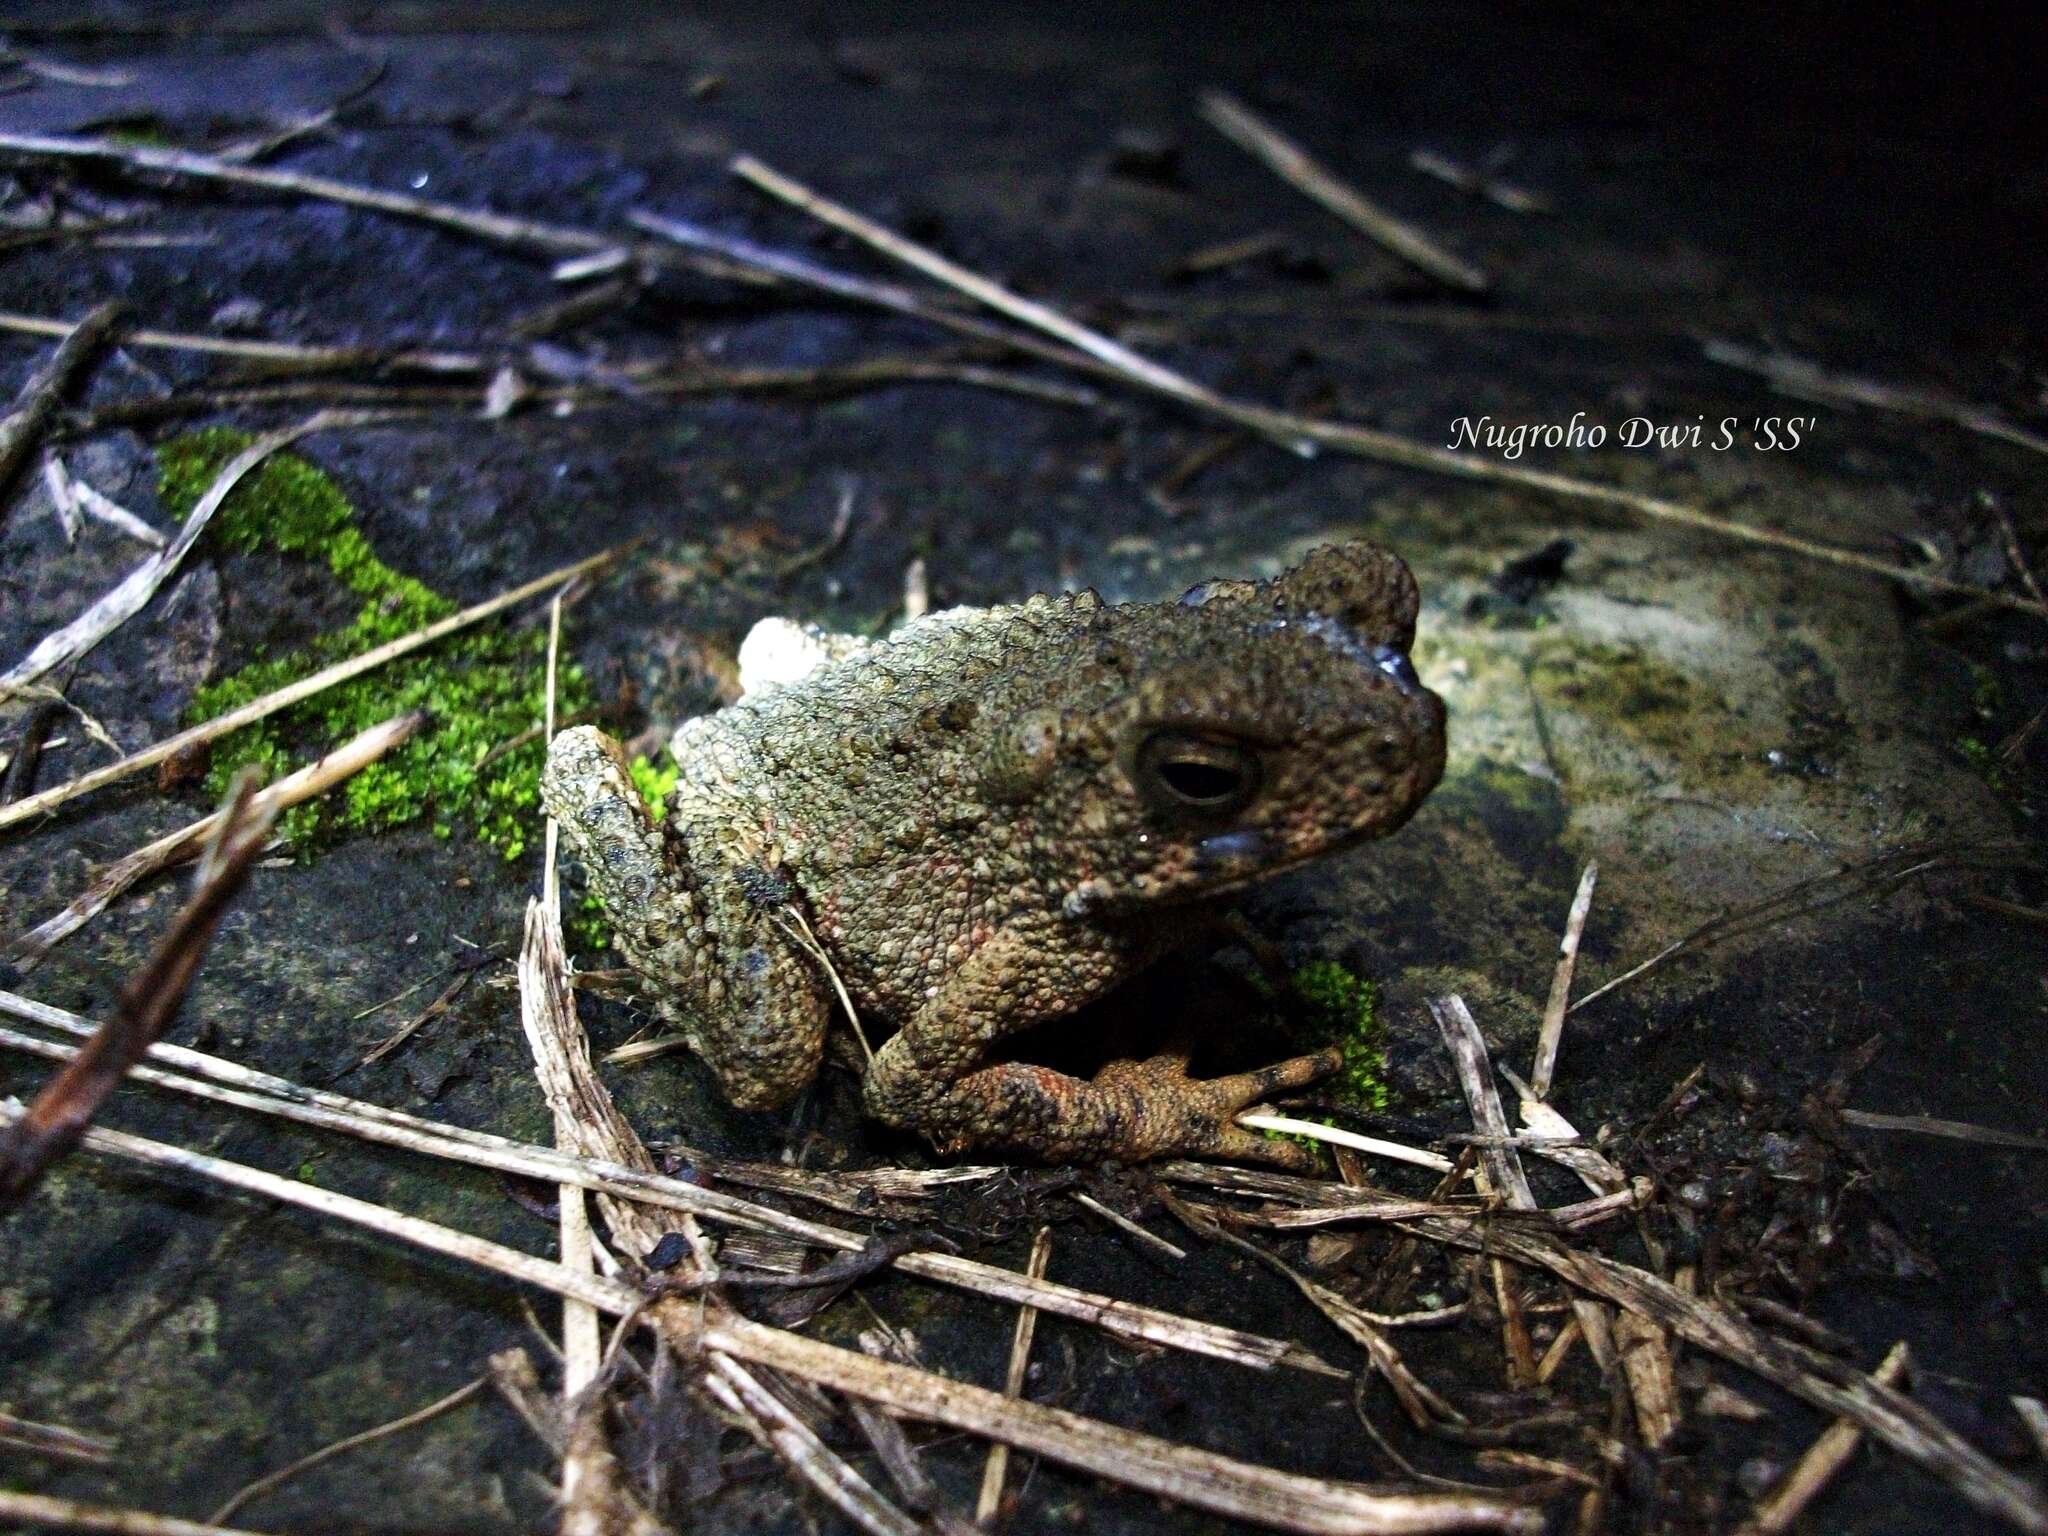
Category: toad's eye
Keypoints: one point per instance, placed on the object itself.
(1200, 777)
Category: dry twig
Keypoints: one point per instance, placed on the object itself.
(53, 1124)
(1300, 170)
(1807, 380)
(1954, 1130)
(128, 597)
(998, 1466)
(1306, 435)
(54, 1441)
(316, 778)
(44, 1511)
(21, 428)
(1779, 1509)
(295, 355)
(1561, 986)
(270, 1482)
(305, 688)
(1805, 897)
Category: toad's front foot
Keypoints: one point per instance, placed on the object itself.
(1131, 1111)
(1198, 1116)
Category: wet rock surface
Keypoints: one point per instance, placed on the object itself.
(1710, 722)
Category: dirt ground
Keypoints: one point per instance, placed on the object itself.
(1710, 720)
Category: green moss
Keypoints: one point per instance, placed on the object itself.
(481, 688)
(1984, 762)
(1330, 1004)
(1987, 693)
(1343, 1008)
(654, 783)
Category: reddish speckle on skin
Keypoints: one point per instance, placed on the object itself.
(969, 936)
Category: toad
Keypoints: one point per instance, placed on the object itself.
(996, 815)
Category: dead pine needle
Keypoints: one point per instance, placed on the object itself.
(316, 778)
(1778, 1509)
(1304, 435)
(1561, 986)
(54, 1441)
(1303, 172)
(258, 709)
(44, 1512)
(1128, 1227)
(271, 1482)
(998, 1466)
(1953, 1130)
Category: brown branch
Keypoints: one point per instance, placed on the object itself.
(58, 1118)
(22, 427)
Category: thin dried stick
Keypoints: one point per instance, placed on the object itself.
(1887, 1414)
(1503, 1168)
(443, 1000)
(148, 1004)
(129, 596)
(1287, 1125)
(22, 428)
(316, 778)
(1778, 1509)
(1424, 1406)
(1281, 1500)
(54, 1440)
(305, 688)
(530, 235)
(1808, 380)
(1954, 1130)
(501, 229)
(998, 1466)
(2033, 916)
(548, 1006)
(804, 272)
(272, 1481)
(2034, 1414)
(1468, 1052)
(294, 353)
(1808, 896)
(1301, 171)
(806, 1455)
(1306, 435)
(1127, 1226)
(1561, 986)
(43, 1511)
(1644, 1350)
(229, 1083)
(95, 504)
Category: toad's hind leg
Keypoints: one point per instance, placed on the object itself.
(720, 960)
(930, 1077)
